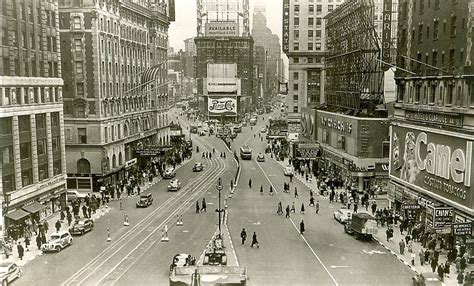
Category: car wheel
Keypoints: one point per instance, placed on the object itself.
(82, 232)
(58, 248)
(19, 274)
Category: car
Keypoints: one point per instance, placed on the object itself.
(202, 133)
(181, 260)
(9, 271)
(174, 185)
(343, 215)
(197, 167)
(263, 130)
(169, 173)
(57, 241)
(72, 195)
(145, 201)
(82, 226)
(260, 157)
(426, 279)
(288, 171)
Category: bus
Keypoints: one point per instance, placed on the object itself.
(245, 153)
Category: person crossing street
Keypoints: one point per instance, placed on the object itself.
(243, 235)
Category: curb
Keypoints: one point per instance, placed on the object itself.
(397, 256)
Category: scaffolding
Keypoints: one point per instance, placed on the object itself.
(353, 69)
(212, 11)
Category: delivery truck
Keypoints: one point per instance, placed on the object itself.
(362, 225)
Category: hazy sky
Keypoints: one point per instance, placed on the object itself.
(185, 25)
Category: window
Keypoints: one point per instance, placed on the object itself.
(432, 95)
(310, 34)
(326, 136)
(24, 123)
(450, 95)
(55, 119)
(79, 69)
(330, 8)
(76, 23)
(295, 97)
(296, 34)
(471, 93)
(82, 135)
(453, 26)
(296, 46)
(296, 60)
(420, 33)
(295, 109)
(80, 89)
(319, 9)
(26, 177)
(25, 150)
(83, 166)
(78, 45)
(296, 22)
(43, 172)
(7, 155)
(341, 142)
(318, 46)
(295, 75)
(310, 46)
(452, 60)
(40, 121)
(318, 33)
(57, 167)
(311, 9)
(295, 86)
(310, 22)
(297, 8)
(41, 146)
(55, 143)
(318, 21)
(435, 29)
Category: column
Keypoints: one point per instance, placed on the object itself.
(16, 152)
(34, 149)
(62, 142)
(49, 139)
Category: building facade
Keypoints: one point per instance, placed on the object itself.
(32, 143)
(304, 43)
(432, 131)
(115, 88)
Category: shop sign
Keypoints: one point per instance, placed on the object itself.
(50, 183)
(411, 207)
(424, 202)
(434, 117)
(386, 31)
(464, 228)
(286, 26)
(440, 217)
(222, 106)
(307, 150)
(222, 29)
(433, 162)
(130, 162)
(337, 124)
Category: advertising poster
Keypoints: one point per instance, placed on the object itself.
(222, 106)
(433, 162)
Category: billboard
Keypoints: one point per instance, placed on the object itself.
(433, 162)
(286, 26)
(222, 106)
(222, 29)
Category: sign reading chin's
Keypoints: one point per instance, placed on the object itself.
(434, 161)
(226, 106)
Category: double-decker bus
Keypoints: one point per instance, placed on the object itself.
(245, 153)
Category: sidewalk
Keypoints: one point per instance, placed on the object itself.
(392, 245)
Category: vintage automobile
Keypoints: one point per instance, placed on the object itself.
(9, 271)
(174, 185)
(260, 157)
(82, 226)
(197, 167)
(57, 241)
(343, 215)
(169, 173)
(182, 259)
(145, 201)
(288, 171)
(427, 279)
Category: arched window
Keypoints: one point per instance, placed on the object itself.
(120, 159)
(114, 161)
(83, 166)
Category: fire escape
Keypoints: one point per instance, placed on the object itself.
(354, 73)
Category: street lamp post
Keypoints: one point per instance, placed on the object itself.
(219, 210)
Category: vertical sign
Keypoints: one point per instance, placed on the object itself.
(386, 31)
(171, 11)
(286, 25)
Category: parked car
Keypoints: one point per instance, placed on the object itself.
(426, 279)
(197, 167)
(57, 241)
(169, 173)
(174, 185)
(145, 201)
(82, 226)
(288, 171)
(263, 129)
(72, 195)
(9, 271)
(260, 157)
(343, 215)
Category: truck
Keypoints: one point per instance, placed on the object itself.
(362, 225)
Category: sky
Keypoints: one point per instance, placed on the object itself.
(185, 25)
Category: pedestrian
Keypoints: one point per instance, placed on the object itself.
(460, 278)
(447, 267)
(271, 190)
(434, 264)
(311, 201)
(296, 193)
(302, 208)
(89, 211)
(413, 257)
(261, 190)
(21, 250)
(57, 225)
(27, 243)
(243, 235)
(38, 241)
(441, 272)
(69, 218)
(387, 234)
(197, 207)
(279, 209)
(203, 205)
(401, 244)
(45, 226)
(422, 257)
(84, 211)
(293, 207)
(250, 183)
(62, 215)
(302, 227)
(356, 207)
(254, 240)
(287, 211)
(291, 177)
(317, 206)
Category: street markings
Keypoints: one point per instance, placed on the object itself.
(339, 266)
(372, 252)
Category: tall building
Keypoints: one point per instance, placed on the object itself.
(304, 43)
(115, 85)
(264, 37)
(431, 134)
(223, 37)
(33, 165)
(189, 58)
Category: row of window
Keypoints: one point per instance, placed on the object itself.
(29, 95)
(311, 46)
(8, 180)
(311, 9)
(304, 60)
(434, 93)
(424, 31)
(310, 21)
(32, 41)
(26, 13)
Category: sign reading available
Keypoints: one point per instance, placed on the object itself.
(222, 106)
(433, 162)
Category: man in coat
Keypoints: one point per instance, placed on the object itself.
(302, 227)
(243, 235)
(21, 250)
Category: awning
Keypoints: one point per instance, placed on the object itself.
(151, 73)
(16, 215)
(34, 207)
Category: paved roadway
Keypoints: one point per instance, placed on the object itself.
(324, 256)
